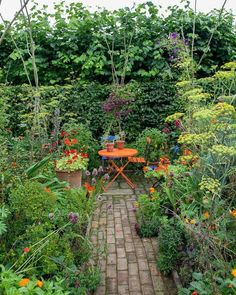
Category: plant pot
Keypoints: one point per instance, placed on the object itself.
(120, 144)
(110, 146)
(74, 178)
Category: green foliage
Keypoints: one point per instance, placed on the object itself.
(169, 239)
(153, 150)
(82, 103)
(31, 202)
(149, 215)
(10, 285)
(79, 49)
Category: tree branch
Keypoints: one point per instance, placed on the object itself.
(212, 34)
(13, 20)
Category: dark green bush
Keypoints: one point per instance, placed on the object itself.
(169, 240)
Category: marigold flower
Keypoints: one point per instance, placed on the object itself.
(39, 283)
(67, 141)
(206, 215)
(233, 272)
(26, 249)
(152, 190)
(232, 213)
(24, 282)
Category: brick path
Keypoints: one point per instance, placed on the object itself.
(129, 264)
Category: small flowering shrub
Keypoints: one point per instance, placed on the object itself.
(72, 161)
(151, 144)
(148, 214)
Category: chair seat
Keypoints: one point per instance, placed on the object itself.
(136, 160)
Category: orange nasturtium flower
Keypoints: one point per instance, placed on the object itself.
(152, 190)
(232, 213)
(67, 141)
(233, 272)
(24, 282)
(206, 215)
(39, 284)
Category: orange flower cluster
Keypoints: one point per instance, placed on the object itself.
(89, 188)
(25, 281)
(69, 142)
(163, 165)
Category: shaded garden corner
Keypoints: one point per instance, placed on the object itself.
(128, 264)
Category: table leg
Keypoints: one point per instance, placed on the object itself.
(120, 172)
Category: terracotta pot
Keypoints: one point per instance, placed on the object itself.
(120, 144)
(110, 146)
(74, 178)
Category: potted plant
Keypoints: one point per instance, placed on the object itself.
(69, 167)
(121, 140)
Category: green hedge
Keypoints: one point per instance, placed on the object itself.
(82, 103)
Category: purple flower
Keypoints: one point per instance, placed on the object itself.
(173, 35)
(95, 172)
(87, 173)
(109, 206)
(166, 130)
(106, 177)
(177, 123)
(100, 169)
(73, 217)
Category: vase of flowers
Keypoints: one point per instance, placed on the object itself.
(70, 166)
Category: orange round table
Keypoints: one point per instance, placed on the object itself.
(124, 153)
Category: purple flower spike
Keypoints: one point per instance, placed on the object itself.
(73, 217)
